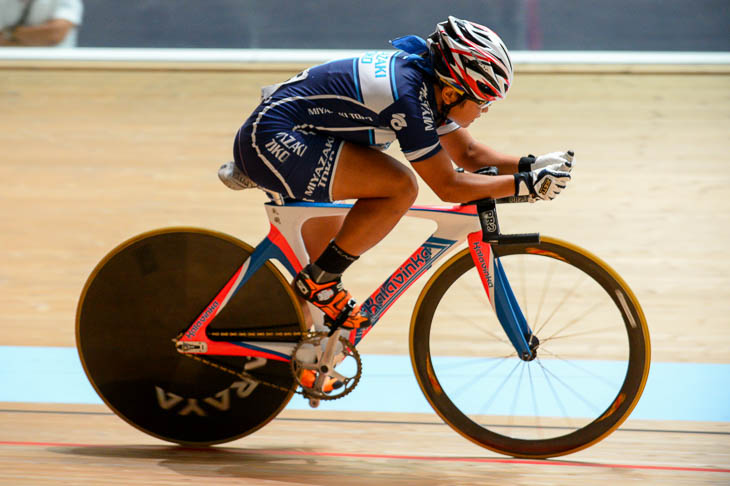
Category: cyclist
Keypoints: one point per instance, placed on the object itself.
(320, 136)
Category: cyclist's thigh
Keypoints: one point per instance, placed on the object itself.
(283, 158)
(364, 172)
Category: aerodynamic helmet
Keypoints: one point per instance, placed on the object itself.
(471, 58)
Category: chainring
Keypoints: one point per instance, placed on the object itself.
(348, 383)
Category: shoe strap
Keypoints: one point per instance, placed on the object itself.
(342, 317)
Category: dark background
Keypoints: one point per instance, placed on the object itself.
(643, 25)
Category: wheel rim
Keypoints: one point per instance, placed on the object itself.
(580, 386)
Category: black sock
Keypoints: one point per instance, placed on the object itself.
(330, 265)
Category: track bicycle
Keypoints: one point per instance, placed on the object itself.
(195, 337)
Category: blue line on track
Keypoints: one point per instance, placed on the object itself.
(675, 391)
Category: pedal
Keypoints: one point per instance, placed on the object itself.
(317, 377)
(311, 382)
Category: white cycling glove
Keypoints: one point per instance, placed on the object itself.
(564, 160)
(543, 183)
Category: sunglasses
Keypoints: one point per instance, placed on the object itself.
(482, 103)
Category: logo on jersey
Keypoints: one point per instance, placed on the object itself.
(283, 145)
(426, 111)
(379, 61)
(398, 121)
(323, 171)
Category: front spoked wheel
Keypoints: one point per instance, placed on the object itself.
(592, 361)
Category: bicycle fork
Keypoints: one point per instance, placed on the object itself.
(495, 281)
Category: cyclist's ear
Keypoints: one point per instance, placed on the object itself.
(449, 95)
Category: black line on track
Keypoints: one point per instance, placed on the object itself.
(386, 422)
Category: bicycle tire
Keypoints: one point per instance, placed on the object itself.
(141, 296)
(512, 406)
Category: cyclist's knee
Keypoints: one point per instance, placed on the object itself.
(365, 173)
(407, 188)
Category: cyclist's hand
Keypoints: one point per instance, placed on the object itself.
(543, 184)
(564, 160)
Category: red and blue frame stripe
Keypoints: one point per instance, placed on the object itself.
(399, 281)
(273, 246)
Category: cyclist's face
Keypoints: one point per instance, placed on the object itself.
(466, 112)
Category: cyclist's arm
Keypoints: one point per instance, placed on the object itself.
(438, 172)
(471, 155)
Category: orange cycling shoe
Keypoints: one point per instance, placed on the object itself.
(307, 378)
(332, 299)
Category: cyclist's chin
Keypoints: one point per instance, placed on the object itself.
(465, 121)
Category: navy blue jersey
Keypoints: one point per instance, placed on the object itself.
(370, 100)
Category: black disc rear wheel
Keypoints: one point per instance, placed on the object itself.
(141, 296)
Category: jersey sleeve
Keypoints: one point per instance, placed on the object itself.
(414, 123)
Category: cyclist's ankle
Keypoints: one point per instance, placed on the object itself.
(332, 299)
(331, 264)
(320, 276)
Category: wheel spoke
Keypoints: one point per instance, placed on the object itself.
(524, 303)
(471, 361)
(457, 392)
(567, 296)
(549, 271)
(477, 293)
(551, 387)
(576, 320)
(516, 396)
(534, 401)
(588, 332)
(497, 391)
(560, 304)
(571, 389)
(575, 365)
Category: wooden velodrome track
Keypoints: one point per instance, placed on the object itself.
(95, 153)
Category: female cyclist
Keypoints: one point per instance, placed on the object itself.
(320, 136)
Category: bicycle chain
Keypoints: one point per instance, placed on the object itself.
(240, 374)
(259, 334)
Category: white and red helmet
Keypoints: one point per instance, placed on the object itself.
(471, 58)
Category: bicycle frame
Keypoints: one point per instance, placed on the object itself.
(284, 243)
